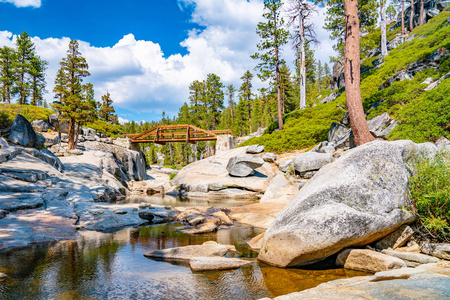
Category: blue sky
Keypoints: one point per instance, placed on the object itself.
(145, 53)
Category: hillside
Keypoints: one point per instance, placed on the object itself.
(422, 115)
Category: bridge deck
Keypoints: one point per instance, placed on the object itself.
(185, 133)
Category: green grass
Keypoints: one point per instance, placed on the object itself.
(429, 192)
(8, 113)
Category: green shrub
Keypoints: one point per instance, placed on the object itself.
(172, 175)
(111, 130)
(430, 193)
(30, 112)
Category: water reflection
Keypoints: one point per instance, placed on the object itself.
(112, 266)
(159, 199)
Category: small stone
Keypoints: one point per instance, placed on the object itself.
(120, 212)
(368, 260)
(437, 250)
(270, 157)
(411, 259)
(224, 219)
(255, 149)
(146, 215)
(195, 219)
(256, 242)
(210, 243)
(76, 152)
(216, 263)
(396, 239)
(168, 207)
(188, 252)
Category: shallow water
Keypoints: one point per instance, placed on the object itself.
(112, 266)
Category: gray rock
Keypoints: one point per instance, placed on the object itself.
(311, 161)
(330, 97)
(3, 213)
(60, 125)
(76, 151)
(243, 166)
(280, 189)
(270, 157)
(47, 157)
(286, 166)
(216, 263)
(428, 81)
(3, 143)
(187, 253)
(396, 239)
(88, 131)
(379, 123)
(40, 141)
(354, 201)
(255, 149)
(22, 132)
(383, 134)
(400, 76)
(336, 133)
(41, 126)
(368, 261)
(437, 250)
(411, 259)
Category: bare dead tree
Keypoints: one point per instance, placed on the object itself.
(300, 13)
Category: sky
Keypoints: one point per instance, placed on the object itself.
(145, 53)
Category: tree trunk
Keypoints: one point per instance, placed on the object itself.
(352, 75)
(403, 17)
(411, 17)
(421, 16)
(302, 65)
(384, 51)
(71, 134)
(278, 79)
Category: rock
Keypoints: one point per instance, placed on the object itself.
(88, 131)
(187, 253)
(216, 263)
(206, 227)
(225, 142)
(243, 166)
(379, 123)
(195, 219)
(280, 189)
(311, 161)
(286, 166)
(363, 204)
(383, 134)
(76, 152)
(330, 97)
(437, 250)
(368, 261)
(437, 82)
(59, 125)
(270, 157)
(256, 242)
(3, 143)
(400, 76)
(46, 156)
(255, 149)
(224, 219)
(3, 276)
(41, 126)
(427, 81)
(40, 141)
(396, 239)
(146, 215)
(22, 132)
(411, 259)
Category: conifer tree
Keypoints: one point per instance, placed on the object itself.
(241, 118)
(7, 74)
(70, 91)
(214, 97)
(37, 74)
(107, 111)
(391, 12)
(231, 90)
(196, 98)
(273, 37)
(245, 92)
(319, 75)
(411, 16)
(25, 52)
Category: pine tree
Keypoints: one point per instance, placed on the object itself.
(311, 69)
(273, 37)
(391, 12)
(107, 112)
(245, 92)
(319, 76)
(241, 118)
(231, 90)
(327, 74)
(214, 96)
(24, 54)
(70, 91)
(196, 98)
(7, 74)
(37, 74)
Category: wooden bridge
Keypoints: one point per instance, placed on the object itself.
(186, 133)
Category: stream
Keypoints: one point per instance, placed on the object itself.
(112, 266)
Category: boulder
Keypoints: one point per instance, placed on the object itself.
(256, 242)
(243, 166)
(3, 143)
(41, 126)
(216, 263)
(396, 239)
(59, 125)
(330, 97)
(255, 149)
(187, 253)
(224, 219)
(336, 133)
(411, 259)
(286, 166)
(281, 189)
(368, 261)
(379, 123)
(311, 161)
(270, 157)
(22, 132)
(354, 201)
(437, 250)
(40, 141)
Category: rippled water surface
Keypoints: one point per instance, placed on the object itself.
(112, 266)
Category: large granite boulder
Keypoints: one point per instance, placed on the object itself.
(354, 201)
(59, 125)
(22, 133)
(311, 161)
(41, 126)
(243, 166)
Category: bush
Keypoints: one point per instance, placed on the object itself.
(30, 112)
(430, 193)
(111, 130)
(172, 175)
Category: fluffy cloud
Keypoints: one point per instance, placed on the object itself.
(24, 3)
(141, 78)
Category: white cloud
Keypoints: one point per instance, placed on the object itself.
(123, 121)
(141, 78)
(24, 3)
